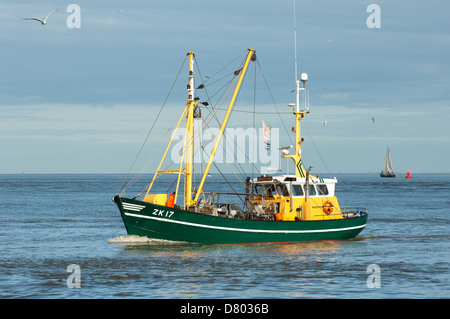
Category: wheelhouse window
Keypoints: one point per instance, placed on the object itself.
(270, 190)
(322, 189)
(312, 190)
(297, 190)
(259, 189)
(282, 190)
(267, 189)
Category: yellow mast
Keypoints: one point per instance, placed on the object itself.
(299, 115)
(222, 128)
(297, 157)
(189, 138)
(188, 147)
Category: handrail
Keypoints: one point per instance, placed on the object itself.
(361, 211)
(354, 209)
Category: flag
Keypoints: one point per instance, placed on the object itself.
(266, 134)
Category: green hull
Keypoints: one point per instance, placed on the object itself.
(160, 222)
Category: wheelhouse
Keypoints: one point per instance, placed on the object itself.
(290, 194)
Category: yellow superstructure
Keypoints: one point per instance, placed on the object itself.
(287, 196)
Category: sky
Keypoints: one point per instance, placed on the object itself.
(82, 100)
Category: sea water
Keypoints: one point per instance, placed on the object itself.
(61, 236)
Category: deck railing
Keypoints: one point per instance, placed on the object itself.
(346, 212)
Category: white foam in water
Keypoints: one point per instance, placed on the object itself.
(138, 240)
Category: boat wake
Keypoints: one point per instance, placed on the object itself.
(140, 240)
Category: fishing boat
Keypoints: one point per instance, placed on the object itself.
(388, 170)
(273, 208)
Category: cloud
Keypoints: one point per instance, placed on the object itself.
(99, 85)
(117, 123)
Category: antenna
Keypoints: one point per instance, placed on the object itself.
(295, 42)
(297, 82)
(303, 76)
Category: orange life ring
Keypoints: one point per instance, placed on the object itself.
(327, 207)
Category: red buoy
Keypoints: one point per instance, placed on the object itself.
(408, 175)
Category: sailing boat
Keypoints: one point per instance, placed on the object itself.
(388, 170)
(281, 208)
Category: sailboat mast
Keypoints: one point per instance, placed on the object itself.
(189, 138)
(386, 169)
(391, 166)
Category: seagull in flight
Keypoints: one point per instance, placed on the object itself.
(43, 22)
